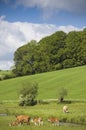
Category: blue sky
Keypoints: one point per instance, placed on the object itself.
(24, 20)
(18, 11)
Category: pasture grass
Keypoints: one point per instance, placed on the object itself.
(77, 111)
(73, 79)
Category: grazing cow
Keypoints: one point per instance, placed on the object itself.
(65, 109)
(23, 119)
(53, 120)
(14, 123)
(37, 121)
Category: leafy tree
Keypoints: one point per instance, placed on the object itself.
(24, 58)
(28, 94)
(51, 45)
(57, 51)
(62, 92)
(73, 49)
(82, 53)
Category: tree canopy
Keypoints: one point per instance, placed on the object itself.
(57, 51)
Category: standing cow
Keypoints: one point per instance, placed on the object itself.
(14, 123)
(54, 120)
(23, 119)
(37, 121)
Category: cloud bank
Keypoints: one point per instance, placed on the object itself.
(76, 6)
(15, 34)
(50, 8)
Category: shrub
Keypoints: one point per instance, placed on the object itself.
(62, 92)
(28, 94)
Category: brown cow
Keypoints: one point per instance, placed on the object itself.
(23, 119)
(53, 120)
(14, 123)
(37, 121)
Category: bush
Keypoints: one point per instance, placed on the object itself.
(28, 94)
(21, 103)
(7, 76)
(62, 92)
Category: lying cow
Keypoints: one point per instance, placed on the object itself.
(37, 121)
(65, 109)
(23, 119)
(53, 120)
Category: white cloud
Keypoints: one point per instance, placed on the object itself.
(6, 65)
(16, 34)
(68, 28)
(68, 5)
(51, 7)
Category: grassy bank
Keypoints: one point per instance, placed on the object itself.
(4, 121)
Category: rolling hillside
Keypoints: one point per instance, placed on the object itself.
(74, 80)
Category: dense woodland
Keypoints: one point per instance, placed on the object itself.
(54, 52)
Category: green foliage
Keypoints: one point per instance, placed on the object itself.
(6, 74)
(24, 58)
(54, 52)
(28, 94)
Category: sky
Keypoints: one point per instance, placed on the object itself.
(24, 20)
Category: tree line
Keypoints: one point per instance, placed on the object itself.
(57, 51)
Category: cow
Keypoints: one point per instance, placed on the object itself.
(65, 109)
(23, 119)
(37, 121)
(54, 121)
(14, 123)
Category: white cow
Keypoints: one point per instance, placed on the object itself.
(65, 109)
(37, 121)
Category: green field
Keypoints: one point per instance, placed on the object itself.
(74, 80)
(76, 115)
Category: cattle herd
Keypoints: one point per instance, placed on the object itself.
(37, 121)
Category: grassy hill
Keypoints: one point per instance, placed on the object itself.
(74, 80)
